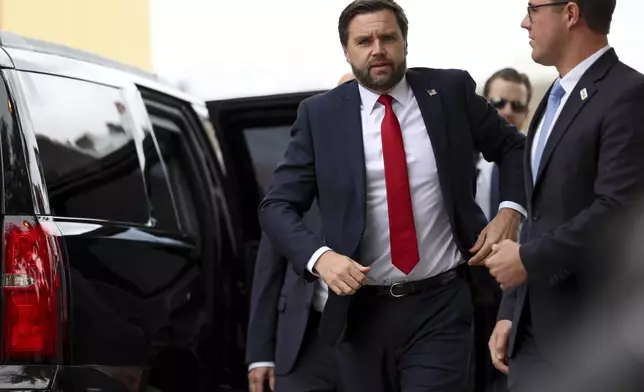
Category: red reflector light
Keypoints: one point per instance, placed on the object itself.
(31, 284)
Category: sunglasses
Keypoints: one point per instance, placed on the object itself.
(517, 106)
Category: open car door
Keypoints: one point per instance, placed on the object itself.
(253, 134)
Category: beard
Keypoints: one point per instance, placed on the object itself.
(381, 82)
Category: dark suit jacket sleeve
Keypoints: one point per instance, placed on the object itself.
(498, 141)
(290, 196)
(506, 308)
(618, 187)
(270, 269)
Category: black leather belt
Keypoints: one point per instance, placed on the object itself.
(402, 289)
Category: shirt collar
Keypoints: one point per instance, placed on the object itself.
(401, 94)
(570, 80)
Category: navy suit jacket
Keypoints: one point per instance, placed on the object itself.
(280, 304)
(590, 177)
(325, 159)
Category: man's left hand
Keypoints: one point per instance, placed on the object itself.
(504, 226)
(506, 266)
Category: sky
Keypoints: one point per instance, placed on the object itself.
(225, 49)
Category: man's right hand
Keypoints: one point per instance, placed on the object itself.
(258, 376)
(498, 345)
(343, 275)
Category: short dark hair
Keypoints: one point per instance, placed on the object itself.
(509, 75)
(597, 13)
(359, 7)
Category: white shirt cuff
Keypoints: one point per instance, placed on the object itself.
(260, 364)
(514, 206)
(314, 259)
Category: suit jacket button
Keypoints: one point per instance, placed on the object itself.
(535, 216)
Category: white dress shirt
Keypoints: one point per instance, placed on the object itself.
(437, 249)
(484, 185)
(568, 82)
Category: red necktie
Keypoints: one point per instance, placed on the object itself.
(402, 232)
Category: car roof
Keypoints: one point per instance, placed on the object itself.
(12, 41)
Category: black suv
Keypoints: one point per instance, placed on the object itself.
(130, 227)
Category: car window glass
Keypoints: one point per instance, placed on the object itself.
(209, 130)
(86, 146)
(266, 146)
(178, 204)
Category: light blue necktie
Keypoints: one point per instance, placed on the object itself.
(554, 100)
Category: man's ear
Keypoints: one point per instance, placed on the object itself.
(346, 54)
(573, 13)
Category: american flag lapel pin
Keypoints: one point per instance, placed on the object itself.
(584, 94)
(431, 92)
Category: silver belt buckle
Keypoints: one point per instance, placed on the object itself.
(391, 290)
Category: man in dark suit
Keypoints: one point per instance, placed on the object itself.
(283, 347)
(389, 158)
(584, 174)
(509, 92)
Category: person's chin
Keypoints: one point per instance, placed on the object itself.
(539, 57)
(380, 75)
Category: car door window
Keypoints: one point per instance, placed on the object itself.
(176, 207)
(266, 146)
(86, 146)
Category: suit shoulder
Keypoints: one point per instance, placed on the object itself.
(452, 79)
(625, 76)
(443, 74)
(326, 97)
(624, 82)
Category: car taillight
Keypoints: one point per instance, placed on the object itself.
(31, 291)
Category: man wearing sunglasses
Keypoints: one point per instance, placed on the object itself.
(509, 92)
(584, 175)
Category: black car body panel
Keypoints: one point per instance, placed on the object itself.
(123, 173)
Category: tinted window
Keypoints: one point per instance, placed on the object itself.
(177, 205)
(209, 131)
(86, 147)
(266, 146)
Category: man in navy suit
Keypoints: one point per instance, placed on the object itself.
(509, 92)
(283, 347)
(584, 176)
(389, 158)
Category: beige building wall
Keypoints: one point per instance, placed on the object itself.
(116, 29)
